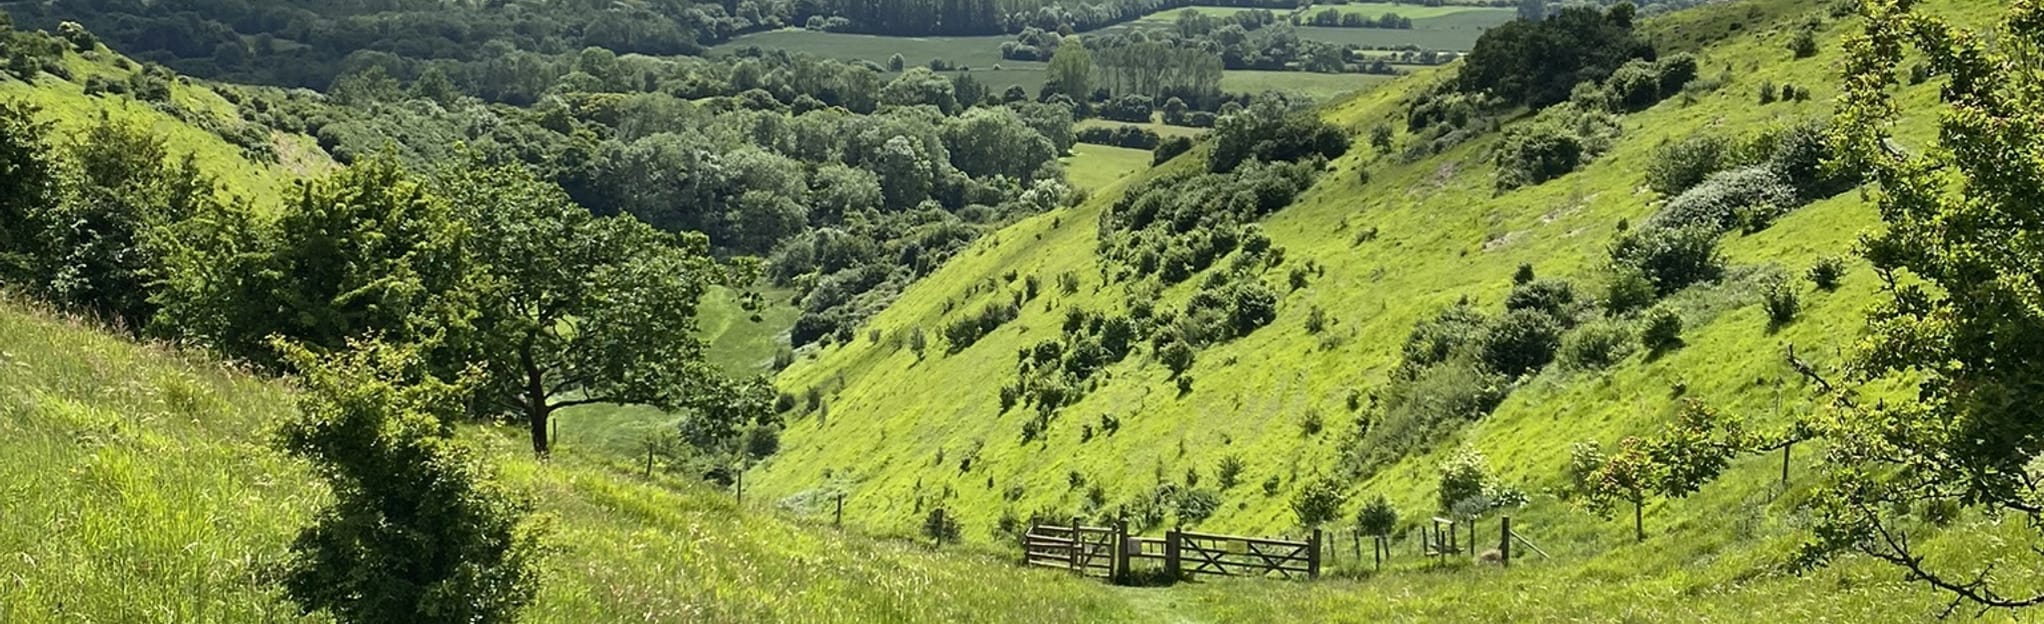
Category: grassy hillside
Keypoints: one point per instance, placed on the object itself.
(197, 107)
(140, 483)
(894, 426)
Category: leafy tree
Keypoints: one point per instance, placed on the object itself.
(1520, 342)
(418, 530)
(1964, 329)
(574, 309)
(1663, 330)
(364, 251)
(986, 142)
(105, 245)
(920, 86)
(1071, 71)
(1675, 463)
(1538, 63)
(1377, 517)
(1318, 502)
(28, 189)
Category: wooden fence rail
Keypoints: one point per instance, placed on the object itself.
(1107, 552)
(1111, 553)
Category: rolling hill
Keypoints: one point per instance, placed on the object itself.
(903, 432)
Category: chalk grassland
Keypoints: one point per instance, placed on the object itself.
(1441, 235)
(140, 485)
(1094, 167)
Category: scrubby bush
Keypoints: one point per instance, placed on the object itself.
(1555, 297)
(1826, 272)
(1196, 505)
(1662, 330)
(1718, 201)
(1318, 502)
(1782, 302)
(1682, 165)
(1626, 288)
(1670, 258)
(1596, 345)
(1519, 343)
(418, 530)
(1377, 517)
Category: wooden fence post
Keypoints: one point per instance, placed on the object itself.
(1505, 542)
(1313, 562)
(1120, 572)
(1074, 552)
(1378, 549)
(1171, 554)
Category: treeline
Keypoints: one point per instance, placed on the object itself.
(307, 43)
(853, 185)
(1336, 18)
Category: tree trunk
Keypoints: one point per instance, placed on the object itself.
(1639, 527)
(537, 415)
(536, 409)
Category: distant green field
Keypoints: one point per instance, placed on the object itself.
(980, 54)
(1323, 87)
(1163, 130)
(738, 344)
(1434, 28)
(1094, 167)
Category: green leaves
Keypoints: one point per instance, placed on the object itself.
(418, 532)
(1963, 315)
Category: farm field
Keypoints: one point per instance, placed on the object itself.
(1095, 167)
(1322, 87)
(1162, 129)
(1436, 28)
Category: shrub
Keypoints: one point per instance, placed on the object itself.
(417, 531)
(1663, 329)
(1170, 148)
(1229, 472)
(1782, 302)
(1682, 165)
(1626, 288)
(1826, 272)
(1196, 505)
(1377, 517)
(1464, 477)
(1716, 203)
(1557, 298)
(1519, 343)
(940, 526)
(1318, 502)
(1536, 153)
(1670, 258)
(1596, 345)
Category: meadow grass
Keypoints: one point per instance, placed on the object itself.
(1322, 87)
(140, 484)
(1094, 167)
(1441, 235)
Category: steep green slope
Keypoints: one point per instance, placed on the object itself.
(139, 482)
(894, 428)
(182, 120)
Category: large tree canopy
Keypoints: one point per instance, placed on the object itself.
(1962, 320)
(575, 309)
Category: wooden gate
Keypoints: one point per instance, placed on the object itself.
(1088, 551)
(1190, 553)
(1106, 552)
